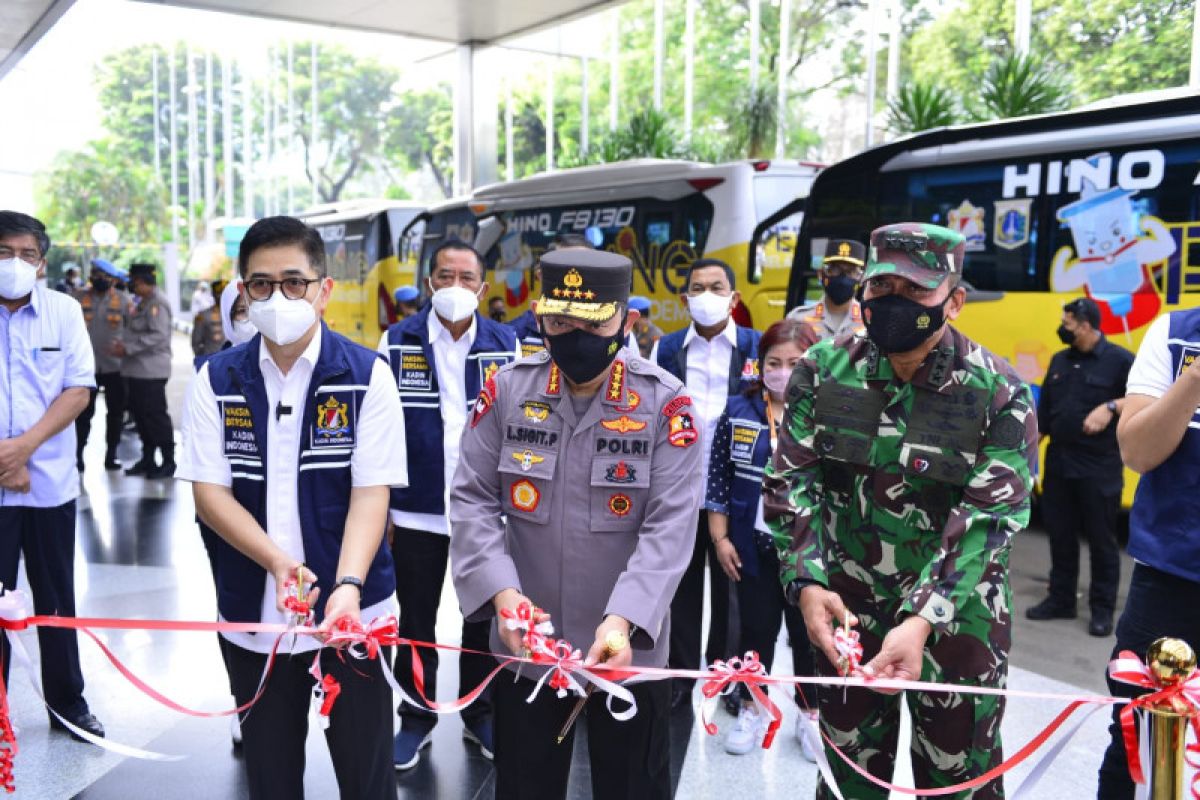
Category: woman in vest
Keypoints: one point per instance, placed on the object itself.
(743, 443)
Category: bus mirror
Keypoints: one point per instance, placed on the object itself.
(490, 230)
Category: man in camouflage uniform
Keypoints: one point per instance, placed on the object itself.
(902, 472)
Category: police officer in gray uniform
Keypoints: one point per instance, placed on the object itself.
(105, 312)
(145, 350)
(577, 491)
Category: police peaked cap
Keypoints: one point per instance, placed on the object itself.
(586, 284)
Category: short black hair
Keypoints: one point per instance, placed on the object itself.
(456, 244)
(705, 263)
(14, 223)
(1084, 309)
(282, 232)
(569, 240)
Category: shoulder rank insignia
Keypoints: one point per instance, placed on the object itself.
(485, 401)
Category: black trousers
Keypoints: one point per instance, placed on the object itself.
(629, 760)
(1074, 506)
(148, 402)
(761, 605)
(273, 731)
(1159, 604)
(687, 607)
(421, 558)
(113, 386)
(47, 538)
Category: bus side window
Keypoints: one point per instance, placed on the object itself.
(658, 229)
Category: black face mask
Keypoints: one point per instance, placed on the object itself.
(840, 288)
(101, 284)
(581, 355)
(1066, 336)
(497, 315)
(898, 325)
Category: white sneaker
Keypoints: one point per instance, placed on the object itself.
(235, 729)
(810, 740)
(746, 733)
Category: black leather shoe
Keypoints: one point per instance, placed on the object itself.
(141, 468)
(167, 470)
(1101, 624)
(82, 719)
(111, 462)
(1050, 609)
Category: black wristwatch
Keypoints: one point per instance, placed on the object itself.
(1111, 405)
(349, 580)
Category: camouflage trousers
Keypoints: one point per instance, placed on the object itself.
(955, 737)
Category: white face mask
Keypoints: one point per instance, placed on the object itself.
(240, 331)
(708, 308)
(17, 278)
(281, 320)
(454, 303)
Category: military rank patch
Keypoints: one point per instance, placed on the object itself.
(527, 458)
(623, 424)
(635, 400)
(485, 401)
(525, 496)
(620, 472)
(534, 411)
(620, 504)
(682, 432)
(675, 405)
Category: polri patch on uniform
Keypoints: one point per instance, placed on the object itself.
(239, 429)
(535, 411)
(742, 439)
(620, 472)
(682, 430)
(623, 446)
(620, 504)
(334, 424)
(527, 459)
(1186, 358)
(525, 496)
(634, 400)
(675, 405)
(415, 373)
(485, 401)
(623, 424)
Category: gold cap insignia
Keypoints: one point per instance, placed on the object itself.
(573, 279)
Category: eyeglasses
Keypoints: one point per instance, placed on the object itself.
(28, 256)
(292, 288)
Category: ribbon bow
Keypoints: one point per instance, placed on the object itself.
(849, 650)
(522, 619)
(562, 658)
(1182, 698)
(748, 670)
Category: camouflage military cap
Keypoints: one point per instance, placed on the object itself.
(925, 254)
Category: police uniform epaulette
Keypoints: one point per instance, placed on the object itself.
(643, 367)
(531, 360)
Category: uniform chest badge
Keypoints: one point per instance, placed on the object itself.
(620, 504)
(620, 473)
(921, 465)
(535, 412)
(525, 496)
(622, 424)
(527, 458)
(332, 419)
(635, 400)
(682, 431)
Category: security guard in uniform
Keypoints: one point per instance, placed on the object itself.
(145, 350)
(106, 311)
(903, 470)
(577, 490)
(208, 335)
(837, 311)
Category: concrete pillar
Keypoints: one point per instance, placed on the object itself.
(476, 89)
(1024, 14)
(658, 55)
(785, 29)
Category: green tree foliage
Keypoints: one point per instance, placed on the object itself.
(1016, 85)
(920, 106)
(418, 134)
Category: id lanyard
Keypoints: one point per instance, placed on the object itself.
(771, 420)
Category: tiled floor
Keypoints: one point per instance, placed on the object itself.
(139, 555)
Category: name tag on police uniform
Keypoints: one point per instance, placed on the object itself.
(335, 417)
(743, 437)
(239, 429)
(415, 372)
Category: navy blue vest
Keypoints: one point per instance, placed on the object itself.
(743, 368)
(749, 451)
(1164, 524)
(328, 438)
(528, 334)
(411, 358)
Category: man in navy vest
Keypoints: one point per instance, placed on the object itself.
(292, 442)
(1159, 435)
(440, 359)
(715, 358)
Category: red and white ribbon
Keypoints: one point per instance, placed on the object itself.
(726, 675)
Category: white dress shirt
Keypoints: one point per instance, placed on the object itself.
(377, 461)
(708, 364)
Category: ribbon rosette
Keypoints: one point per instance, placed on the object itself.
(522, 619)
(849, 650)
(748, 670)
(562, 658)
(1183, 698)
